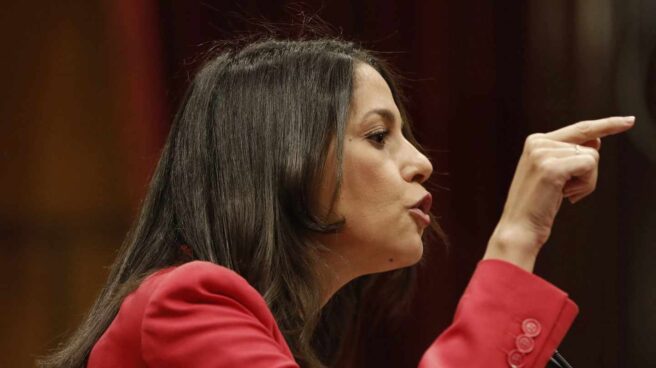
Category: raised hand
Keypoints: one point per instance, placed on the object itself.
(555, 165)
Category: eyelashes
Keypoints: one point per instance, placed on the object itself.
(378, 137)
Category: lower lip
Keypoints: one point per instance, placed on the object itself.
(420, 216)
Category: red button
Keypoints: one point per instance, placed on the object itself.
(531, 327)
(515, 358)
(525, 344)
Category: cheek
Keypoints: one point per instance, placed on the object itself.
(376, 217)
(371, 191)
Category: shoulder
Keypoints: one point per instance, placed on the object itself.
(198, 314)
(205, 275)
(201, 314)
(198, 281)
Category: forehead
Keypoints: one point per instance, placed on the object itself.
(370, 92)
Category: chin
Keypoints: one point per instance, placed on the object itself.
(416, 254)
(410, 255)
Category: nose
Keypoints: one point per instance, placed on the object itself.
(417, 167)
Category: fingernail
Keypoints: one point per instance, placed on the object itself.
(570, 193)
(575, 190)
(629, 119)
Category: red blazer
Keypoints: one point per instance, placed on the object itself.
(203, 315)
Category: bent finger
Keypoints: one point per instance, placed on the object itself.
(575, 198)
(576, 167)
(583, 185)
(595, 144)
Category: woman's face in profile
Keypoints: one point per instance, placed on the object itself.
(381, 184)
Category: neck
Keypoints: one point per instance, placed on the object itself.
(333, 272)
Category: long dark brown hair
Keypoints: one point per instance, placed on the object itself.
(235, 184)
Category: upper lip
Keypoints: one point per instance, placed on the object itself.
(425, 203)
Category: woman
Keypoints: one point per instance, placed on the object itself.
(290, 171)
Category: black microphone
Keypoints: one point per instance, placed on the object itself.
(558, 361)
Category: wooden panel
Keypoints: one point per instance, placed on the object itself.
(92, 87)
(71, 148)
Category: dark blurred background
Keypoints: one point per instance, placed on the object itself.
(90, 88)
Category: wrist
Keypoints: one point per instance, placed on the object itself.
(513, 246)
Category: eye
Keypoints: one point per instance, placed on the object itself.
(378, 137)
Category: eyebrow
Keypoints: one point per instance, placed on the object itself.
(386, 114)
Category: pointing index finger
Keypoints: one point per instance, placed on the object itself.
(588, 130)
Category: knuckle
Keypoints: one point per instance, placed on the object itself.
(591, 152)
(535, 154)
(590, 162)
(545, 167)
(595, 155)
(583, 127)
(550, 172)
(533, 142)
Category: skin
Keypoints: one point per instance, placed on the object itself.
(550, 169)
(383, 175)
(382, 178)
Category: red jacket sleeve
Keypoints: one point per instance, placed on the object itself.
(507, 317)
(202, 315)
